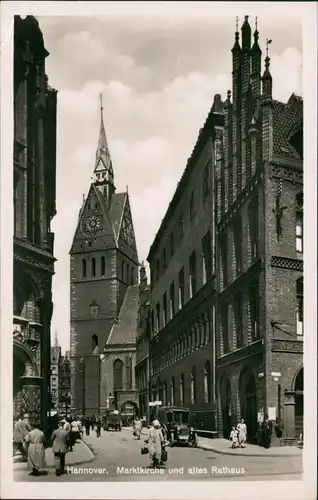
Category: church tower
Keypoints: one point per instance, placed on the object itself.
(103, 264)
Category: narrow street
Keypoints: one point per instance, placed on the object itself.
(118, 458)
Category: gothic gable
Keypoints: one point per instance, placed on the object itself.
(127, 233)
(94, 229)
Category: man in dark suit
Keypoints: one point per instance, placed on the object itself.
(60, 439)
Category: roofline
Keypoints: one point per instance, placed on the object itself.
(213, 119)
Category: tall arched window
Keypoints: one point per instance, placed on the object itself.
(127, 274)
(123, 271)
(84, 268)
(300, 305)
(93, 267)
(132, 276)
(102, 266)
(128, 368)
(164, 402)
(182, 389)
(299, 222)
(193, 386)
(95, 348)
(207, 382)
(172, 393)
(118, 374)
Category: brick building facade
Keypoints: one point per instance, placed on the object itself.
(34, 170)
(104, 293)
(65, 384)
(259, 183)
(142, 345)
(226, 264)
(56, 358)
(183, 287)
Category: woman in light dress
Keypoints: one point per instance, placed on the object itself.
(242, 432)
(155, 443)
(36, 450)
(137, 428)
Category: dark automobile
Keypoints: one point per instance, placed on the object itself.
(176, 423)
(112, 420)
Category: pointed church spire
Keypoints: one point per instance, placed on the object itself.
(103, 172)
(56, 342)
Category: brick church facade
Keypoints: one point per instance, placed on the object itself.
(227, 289)
(104, 295)
(34, 170)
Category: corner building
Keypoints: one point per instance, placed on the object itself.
(183, 287)
(104, 293)
(34, 171)
(259, 246)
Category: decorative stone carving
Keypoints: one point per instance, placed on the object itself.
(31, 402)
(249, 350)
(295, 346)
(288, 174)
(287, 263)
(29, 259)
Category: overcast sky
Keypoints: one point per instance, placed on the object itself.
(158, 76)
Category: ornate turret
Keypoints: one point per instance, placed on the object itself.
(103, 172)
(246, 35)
(267, 80)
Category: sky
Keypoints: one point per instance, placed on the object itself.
(158, 76)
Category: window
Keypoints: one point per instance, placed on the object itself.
(164, 310)
(102, 265)
(158, 317)
(238, 312)
(172, 300)
(128, 369)
(254, 310)
(53, 381)
(237, 230)
(207, 382)
(182, 389)
(84, 268)
(193, 386)
(172, 394)
(164, 259)
(206, 182)
(192, 275)
(171, 244)
(164, 402)
(93, 267)
(181, 227)
(253, 225)
(127, 274)
(94, 310)
(191, 205)
(299, 222)
(153, 322)
(132, 276)
(224, 251)
(181, 289)
(225, 332)
(300, 306)
(95, 348)
(118, 374)
(123, 271)
(207, 258)
(157, 269)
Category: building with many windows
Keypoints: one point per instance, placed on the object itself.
(56, 357)
(34, 171)
(226, 265)
(142, 368)
(259, 243)
(183, 287)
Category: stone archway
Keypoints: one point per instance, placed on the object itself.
(129, 412)
(226, 405)
(299, 402)
(248, 403)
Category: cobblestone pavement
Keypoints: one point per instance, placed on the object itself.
(118, 458)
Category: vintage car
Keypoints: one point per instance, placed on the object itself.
(176, 423)
(112, 420)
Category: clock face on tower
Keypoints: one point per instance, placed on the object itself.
(91, 223)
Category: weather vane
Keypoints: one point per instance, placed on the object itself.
(101, 101)
(268, 42)
(237, 23)
(256, 23)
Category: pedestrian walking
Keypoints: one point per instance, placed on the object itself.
(87, 426)
(18, 438)
(36, 451)
(60, 439)
(242, 433)
(137, 428)
(155, 443)
(67, 427)
(234, 437)
(267, 432)
(74, 433)
(98, 427)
